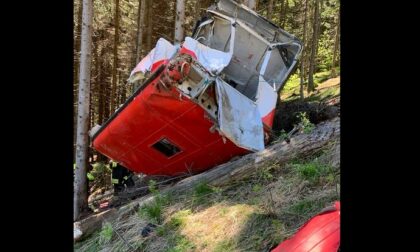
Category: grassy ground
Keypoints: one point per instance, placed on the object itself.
(255, 214)
(325, 86)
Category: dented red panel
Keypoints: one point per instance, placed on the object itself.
(319, 234)
(269, 118)
(156, 114)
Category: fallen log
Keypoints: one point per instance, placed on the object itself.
(85, 227)
(300, 145)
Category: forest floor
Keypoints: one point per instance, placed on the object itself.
(255, 214)
(325, 87)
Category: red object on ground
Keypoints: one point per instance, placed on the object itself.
(320, 234)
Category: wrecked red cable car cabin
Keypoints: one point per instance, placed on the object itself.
(203, 102)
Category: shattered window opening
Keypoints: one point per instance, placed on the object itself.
(165, 147)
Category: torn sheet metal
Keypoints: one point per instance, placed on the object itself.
(266, 97)
(213, 60)
(239, 118)
(162, 51)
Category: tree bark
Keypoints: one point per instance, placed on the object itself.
(282, 12)
(85, 227)
(179, 21)
(321, 4)
(122, 93)
(115, 66)
(97, 89)
(82, 141)
(286, 8)
(302, 61)
(107, 90)
(301, 145)
(149, 8)
(336, 43)
(252, 4)
(101, 93)
(270, 9)
(140, 29)
(197, 8)
(78, 30)
(311, 85)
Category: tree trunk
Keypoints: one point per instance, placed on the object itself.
(78, 30)
(302, 61)
(252, 4)
(336, 43)
(270, 9)
(301, 145)
(85, 227)
(107, 89)
(282, 14)
(321, 3)
(82, 141)
(179, 21)
(140, 29)
(197, 10)
(311, 85)
(115, 66)
(286, 7)
(149, 8)
(121, 96)
(97, 88)
(101, 91)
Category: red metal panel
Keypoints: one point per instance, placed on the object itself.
(269, 118)
(320, 234)
(154, 114)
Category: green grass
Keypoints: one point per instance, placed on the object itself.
(178, 219)
(313, 171)
(325, 94)
(201, 192)
(305, 123)
(202, 189)
(261, 232)
(179, 243)
(106, 233)
(153, 211)
(306, 207)
(292, 85)
(260, 211)
(225, 246)
(296, 214)
(97, 240)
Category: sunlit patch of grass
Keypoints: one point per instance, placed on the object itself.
(291, 89)
(217, 226)
(329, 92)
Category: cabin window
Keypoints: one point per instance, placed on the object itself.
(165, 147)
(216, 34)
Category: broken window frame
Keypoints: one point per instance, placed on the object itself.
(164, 142)
(277, 84)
